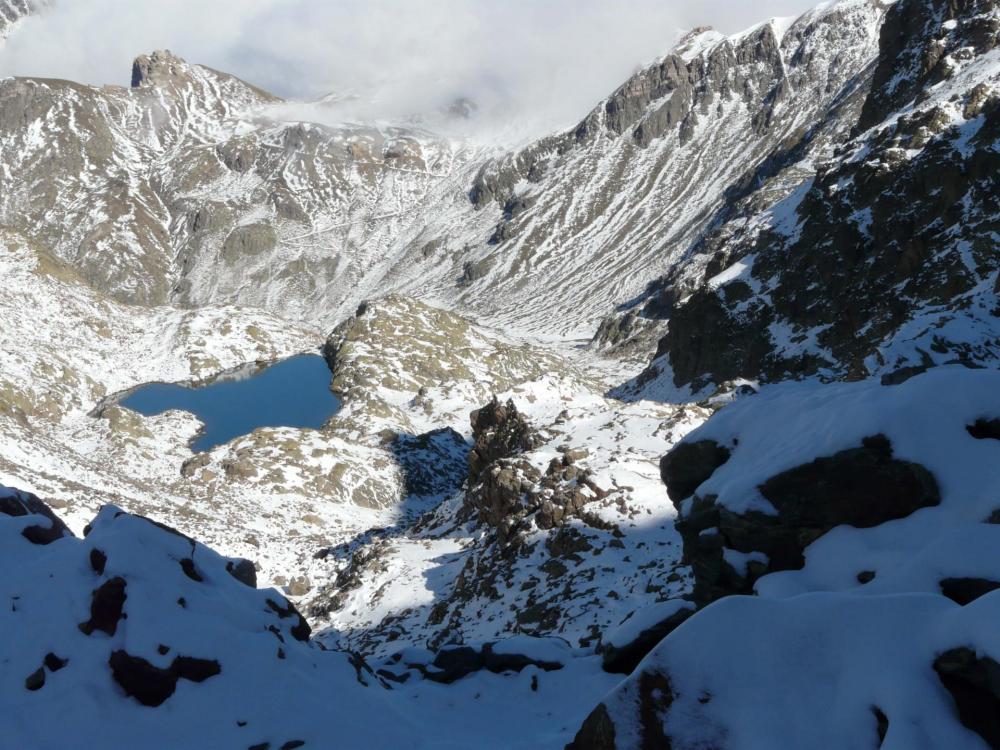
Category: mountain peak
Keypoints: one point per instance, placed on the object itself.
(161, 66)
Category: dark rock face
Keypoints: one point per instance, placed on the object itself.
(187, 565)
(106, 607)
(152, 685)
(98, 561)
(451, 664)
(499, 431)
(35, 680)
(985, 429)
(149, 685)
(53, 663)
(243, 571)
(624, 659)
(597, 732)
(18, 503)
(860, 487)
(654, 699)
(881, 724)
(690, 464)
(974, 683)
(914, 48)
(965, 590)
(301, 630)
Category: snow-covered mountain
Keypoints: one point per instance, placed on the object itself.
(757, 509)
(190, 188)
(885, 259)
(12, 11)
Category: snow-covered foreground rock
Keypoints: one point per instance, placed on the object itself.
(138, 636)
(882, 630)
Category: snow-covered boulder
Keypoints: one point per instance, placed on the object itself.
(816, 671)
(798, 460)
(875, 623)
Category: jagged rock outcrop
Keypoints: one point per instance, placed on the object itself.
(499, 431)
(510, 494)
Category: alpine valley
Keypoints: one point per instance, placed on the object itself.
(676, 430)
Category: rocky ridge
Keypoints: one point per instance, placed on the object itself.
(193, 187)
(892, 240)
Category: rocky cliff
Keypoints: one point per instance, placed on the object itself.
(885, 259)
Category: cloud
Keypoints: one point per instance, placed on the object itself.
(535, 64)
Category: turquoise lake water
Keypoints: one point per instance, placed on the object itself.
(294, 392)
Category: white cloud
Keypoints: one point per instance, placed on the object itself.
(542, 63)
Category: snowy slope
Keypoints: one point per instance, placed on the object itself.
(861, 628)
(138, 636)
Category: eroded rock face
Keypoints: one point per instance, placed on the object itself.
(860, 487)
(499, 431)
(974, 684)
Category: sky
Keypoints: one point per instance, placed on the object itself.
(541, 63)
